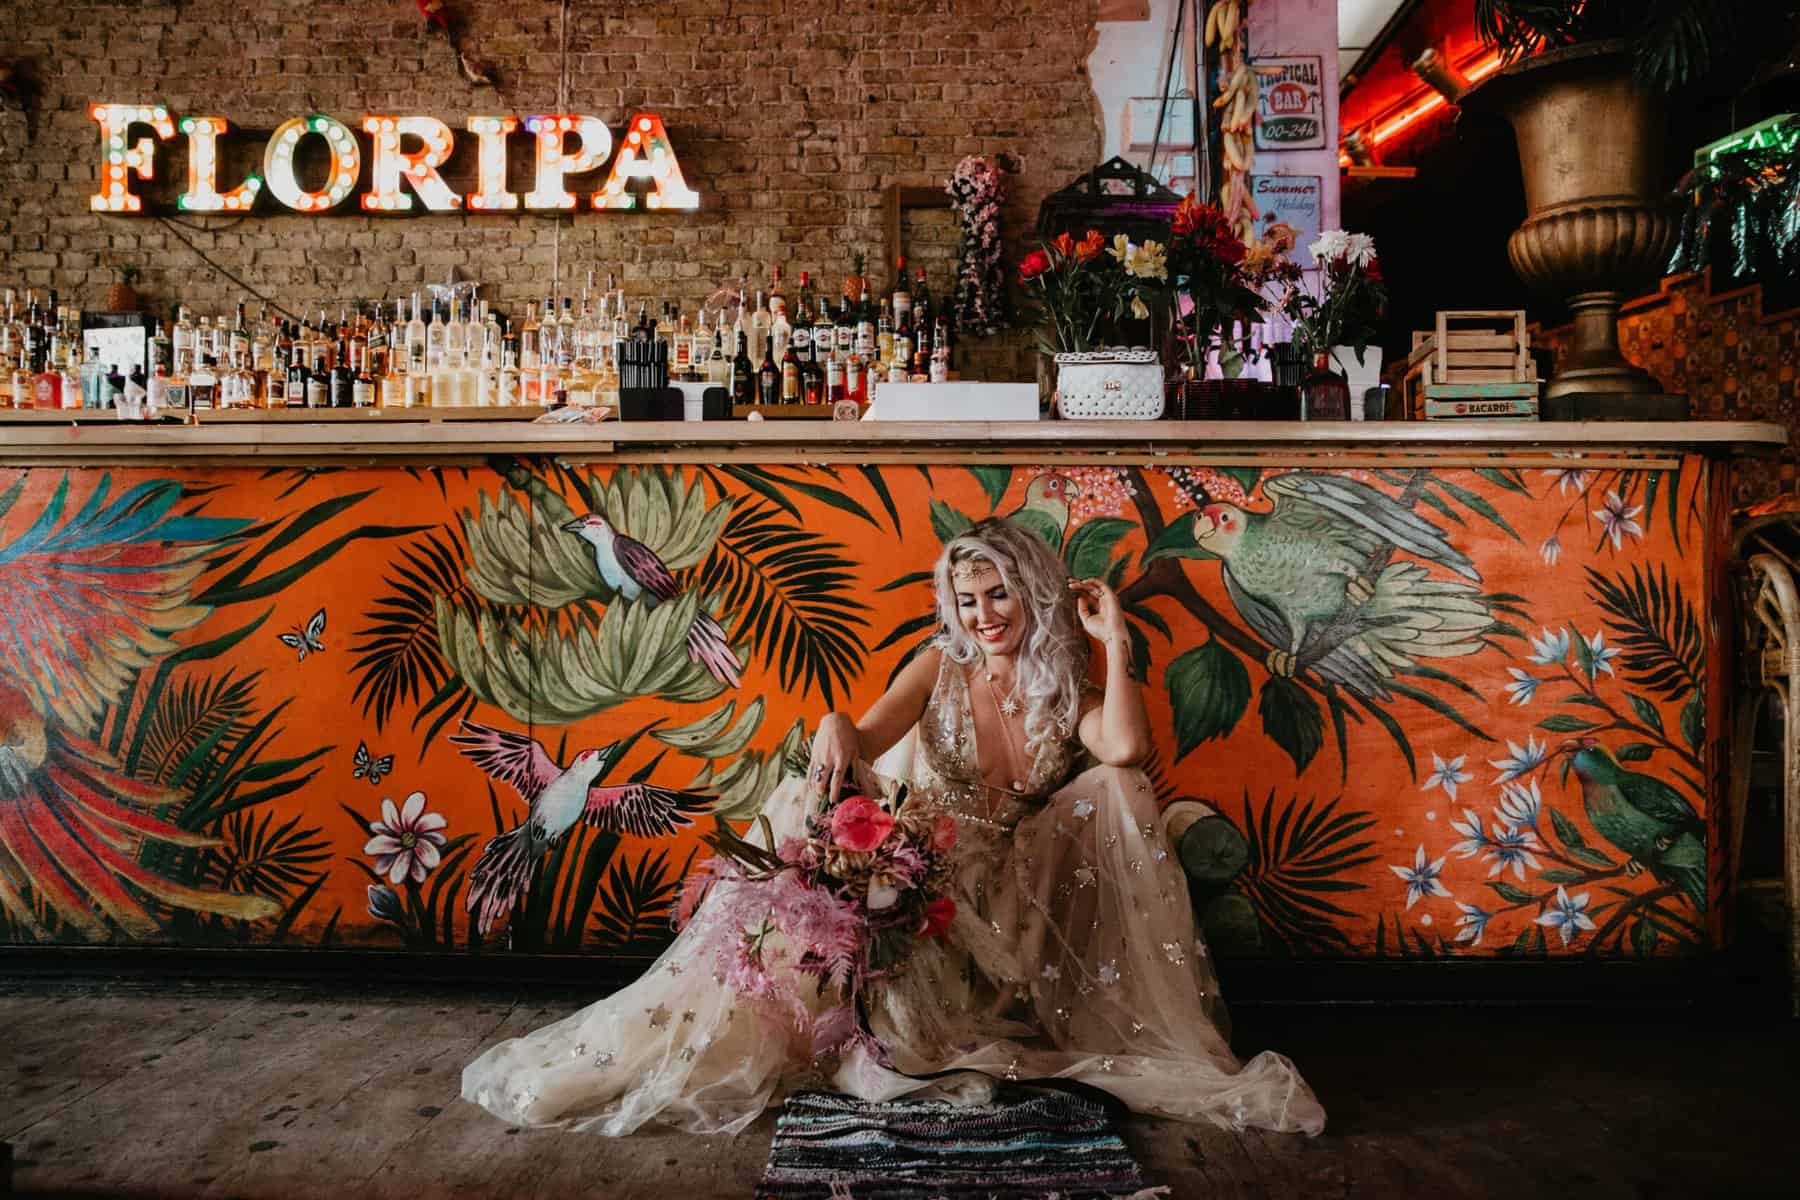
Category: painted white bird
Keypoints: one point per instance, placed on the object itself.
(558, 797)
(634, 571)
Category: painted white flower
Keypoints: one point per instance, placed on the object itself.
(406, 840)
(1603, 654)
(1551, 649)
(1520, 759)
(1570, 480)
(1474, 840)
(1359, 248)
(1568, 916)
(1550, 550)
(1523, 687)
(1447, 774)
(1051, 972)
(1472, 924)
(1421, 878)
(1520, 804)
(1512, 847)
(1109, 972)
(1084, 808)
(1616, 519)
(1332, 243)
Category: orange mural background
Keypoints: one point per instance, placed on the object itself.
(1399, 712)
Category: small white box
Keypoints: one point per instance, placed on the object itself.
(1177, 126)
(957, 401)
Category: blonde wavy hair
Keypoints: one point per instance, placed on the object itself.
(1052, 661)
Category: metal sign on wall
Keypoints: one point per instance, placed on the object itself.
(1296, 200)
(405, 153)
(1290, 103)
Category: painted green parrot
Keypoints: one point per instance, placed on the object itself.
(1046, 508)
(1298, 575)
(1642, 816)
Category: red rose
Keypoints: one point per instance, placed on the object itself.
(1035, 264)
(938, 915)
(858, 823)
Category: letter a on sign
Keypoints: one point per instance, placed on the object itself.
(646, 153)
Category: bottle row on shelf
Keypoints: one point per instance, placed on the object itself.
(458, 352)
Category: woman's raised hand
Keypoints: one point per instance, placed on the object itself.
(834, 750)
(1098, 607)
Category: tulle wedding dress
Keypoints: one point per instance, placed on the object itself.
(1073, 954)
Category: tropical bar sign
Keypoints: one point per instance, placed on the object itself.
(405, 155)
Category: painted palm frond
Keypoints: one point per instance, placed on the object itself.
(1299, 856)
(638, 902)
(795, 590)
(1655, 627)
(193, 720)
(263, 858)
(400, 659)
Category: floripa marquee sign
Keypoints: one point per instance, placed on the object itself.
(406, 153)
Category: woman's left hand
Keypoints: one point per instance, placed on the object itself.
(1098, 607)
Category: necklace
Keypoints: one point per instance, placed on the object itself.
(1008, 708)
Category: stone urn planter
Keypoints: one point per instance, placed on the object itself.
(1597, 229)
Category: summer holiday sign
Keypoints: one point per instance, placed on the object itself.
(1290, 109)
(406, 152)
(1294, 200)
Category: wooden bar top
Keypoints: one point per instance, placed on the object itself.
(350, 442)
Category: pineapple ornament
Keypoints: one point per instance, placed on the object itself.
(121, 296)
(856, 283)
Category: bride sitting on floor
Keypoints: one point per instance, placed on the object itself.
(1073, 952)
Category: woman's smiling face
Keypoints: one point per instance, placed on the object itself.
(989, 611)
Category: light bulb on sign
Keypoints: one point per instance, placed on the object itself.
(554, 161)
(203, 193)
(669, 189)
(491, 133)
(115, 121)
(345, 163)
(418, 166)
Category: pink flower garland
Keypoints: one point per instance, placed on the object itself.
(977, 189)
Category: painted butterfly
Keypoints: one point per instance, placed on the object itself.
(370, 767)
(308, 639)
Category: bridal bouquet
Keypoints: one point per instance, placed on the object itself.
(841, 906)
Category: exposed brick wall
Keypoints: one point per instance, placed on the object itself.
(789, 116)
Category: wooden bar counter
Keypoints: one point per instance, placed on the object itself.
(1421, 691)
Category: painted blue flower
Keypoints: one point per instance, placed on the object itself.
(1520, 804)
(1447, 774)
(1520, 759)
(1474, 840)
(384, 903)
(1523, 687)
(1512, 847)
(1568, 916)
(1551, 649)
(1472, 924)
(1421, 878)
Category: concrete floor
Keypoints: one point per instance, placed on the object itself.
(264, 1091)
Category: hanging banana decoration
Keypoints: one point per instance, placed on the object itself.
(1225, 32)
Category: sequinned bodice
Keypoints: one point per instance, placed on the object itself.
(949, 762)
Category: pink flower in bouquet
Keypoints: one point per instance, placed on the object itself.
(860, 824)
(908, 865)
(799, 852)
(943, 834)
(938, 915)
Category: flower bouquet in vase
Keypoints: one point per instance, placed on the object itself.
(1079, 295)
(1336, 318)
(842, 906)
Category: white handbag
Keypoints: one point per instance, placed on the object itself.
(1110, 385)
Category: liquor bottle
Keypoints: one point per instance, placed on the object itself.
(491, 333)
(136, 391)
(812, 377)
(835, 389)
(846, 329)
(93, 379)
(23, 385)
(718, 367)
(946, 337)
(900, 364)
(800, 331)
(239, 341)
(379, 339)
(456, 332)
(743, 376)
(161, 352)
(362, 383)
(680, 333)
(296, 377)
(902, 295)
(856, 378)
(768, 376)
(777, 299)
(183, 360)
(318, 385)
(824, 332)
(793, 387)
(938, 371)
(434, 341)
(203, 385)
(761, 324)
(780, 331)
(566, 335)
(507, 389)
(922, 310)
(12, 332)
(237, 383)
(703, 342)
(46, 381)
(884, 337)
(391, 386)
(416, 341)
(741, 326)
(343, 379)
(922, 344)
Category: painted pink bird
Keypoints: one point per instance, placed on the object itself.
(559, 797)
(633, 570)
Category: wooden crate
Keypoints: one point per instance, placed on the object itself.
(1479, 346)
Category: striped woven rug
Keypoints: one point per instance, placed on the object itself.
(1023, 1146)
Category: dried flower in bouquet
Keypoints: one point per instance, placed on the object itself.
(977, 190)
